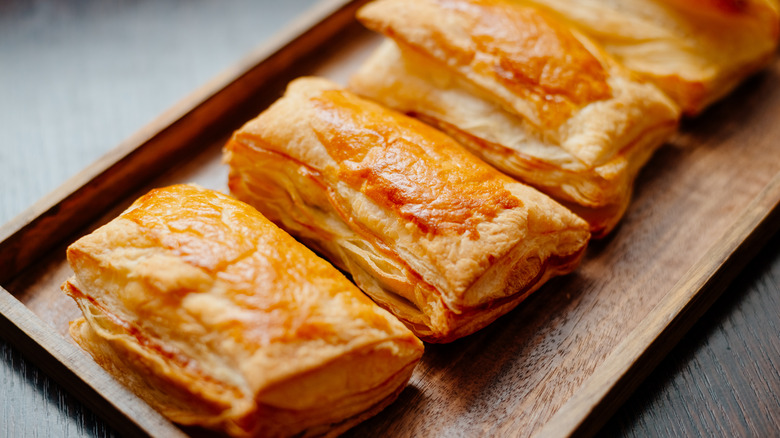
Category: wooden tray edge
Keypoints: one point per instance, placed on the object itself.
(91, 192)
(632, 360)
(60, 213)
(78, 373)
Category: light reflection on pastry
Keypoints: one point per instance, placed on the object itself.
(429, 231)
(695, 50)
(529, 95)
(217, 318)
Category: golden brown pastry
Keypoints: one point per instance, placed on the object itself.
(529, 95)
(430, 232)
(217, 318)
(695, 50)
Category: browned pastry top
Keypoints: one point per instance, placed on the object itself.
(533, 56)
(409, 167)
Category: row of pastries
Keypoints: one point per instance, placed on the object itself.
(469, 160)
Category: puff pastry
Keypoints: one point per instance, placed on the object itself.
(695, 50)
(532, 97)
(429, 231)
(217, 318)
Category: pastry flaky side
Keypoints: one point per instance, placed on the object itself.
(528, 94)
(429, 231)
(217, 318)
(694, 50)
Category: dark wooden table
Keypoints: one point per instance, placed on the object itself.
(77, 77)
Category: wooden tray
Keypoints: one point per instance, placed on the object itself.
(560, 364)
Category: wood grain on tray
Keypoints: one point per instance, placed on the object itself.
(703, 203)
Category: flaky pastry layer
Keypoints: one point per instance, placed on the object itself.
(217, 318)
(528, 94)
(445, 242)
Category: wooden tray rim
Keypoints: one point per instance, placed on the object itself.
(62, 360)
